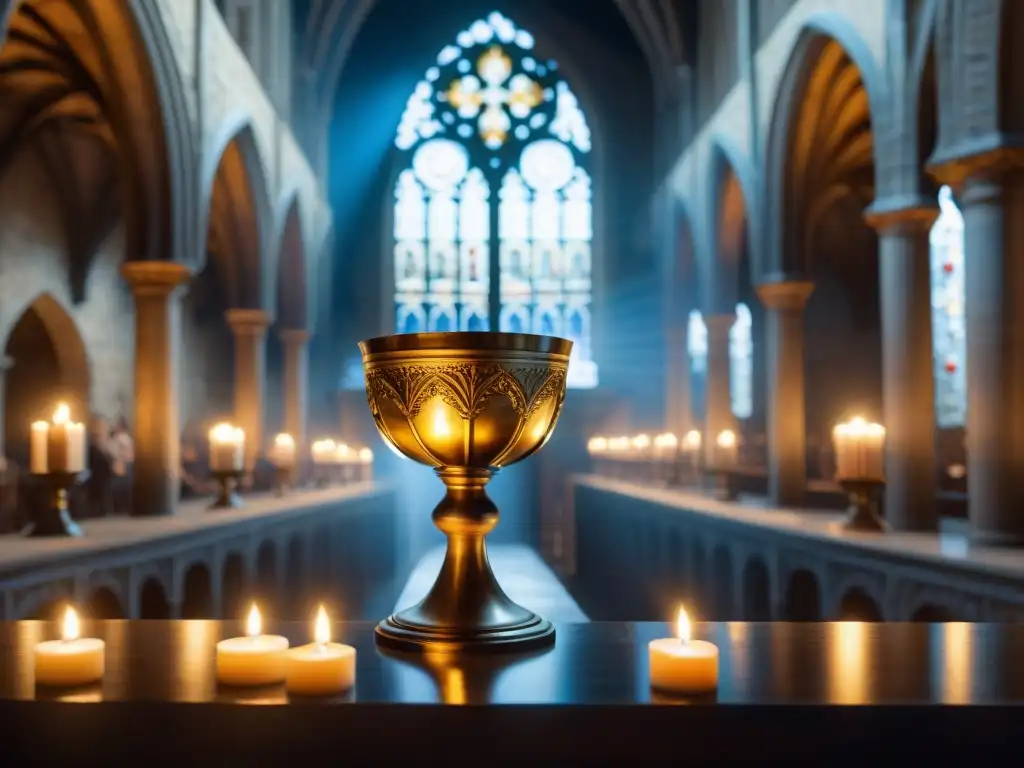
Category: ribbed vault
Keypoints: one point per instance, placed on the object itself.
(90, 110)
(830, 150)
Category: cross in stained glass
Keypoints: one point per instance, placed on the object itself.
(492, 93)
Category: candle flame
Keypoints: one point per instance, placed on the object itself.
(322, 628)
(597, 445)
(693, 438)
(666, 440)
(284, 440)
(365, 455)
(726, 438)
(858, 426)
(641, 441)
(223, 433)
(253, 624)
(70, 629)
(62, 415)
(683, 625)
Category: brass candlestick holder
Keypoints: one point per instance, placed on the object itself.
(228, 483)
(862, 514)
(466, 404)
(54, 517)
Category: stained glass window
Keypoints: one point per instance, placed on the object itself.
(949, 341)
(741, 363)
(495, 201)
(741, 358)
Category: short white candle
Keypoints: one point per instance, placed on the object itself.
(58, 446)
(323, 451)
(227, 447)
(860, 450)
(683, 665)
(321, 668)
(283, 452)
(597, 446)
(72, 660)
(253, 660)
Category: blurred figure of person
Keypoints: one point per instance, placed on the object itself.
(99, 486)
(122, 451)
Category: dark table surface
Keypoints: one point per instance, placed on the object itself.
(589, 694)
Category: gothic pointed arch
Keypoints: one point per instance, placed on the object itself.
(237, 217)
(292, 298)
(65, 87)
(493, 217)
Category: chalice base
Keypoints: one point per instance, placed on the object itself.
(404, 632)
(862, 513)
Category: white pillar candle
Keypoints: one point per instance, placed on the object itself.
(597, 446)
(682, 665)
(57, 446)
(253, 660)
(726, 449)
(72, 660)
(321, 668)
(860, 450)
(665, 446)
(227, 448)
(692, 441)
(283, 452)
(322, 451)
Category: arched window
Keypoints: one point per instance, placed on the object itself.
(949, 341)
(697, 343)
(741, 363)
(493, 216)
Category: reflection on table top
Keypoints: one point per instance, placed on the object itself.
(594, 663)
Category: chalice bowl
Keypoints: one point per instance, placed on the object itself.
(466, 404)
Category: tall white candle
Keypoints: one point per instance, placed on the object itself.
(860, 450)
(57, 446)
(227, 446)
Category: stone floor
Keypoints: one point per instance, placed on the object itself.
(522, 574)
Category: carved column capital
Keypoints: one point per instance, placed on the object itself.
(902, 214)
(248, 322)
(984, 158)
(785, 294)
(155, 278)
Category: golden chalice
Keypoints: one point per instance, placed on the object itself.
(466, 404)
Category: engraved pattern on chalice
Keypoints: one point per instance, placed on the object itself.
(466, 404)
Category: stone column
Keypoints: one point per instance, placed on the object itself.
(250, 329)
(908, 381)
(5, 365)
(678, 412)
(157, 287)
(784, 302)
(718, 414)
(294, 393)
(992, 202)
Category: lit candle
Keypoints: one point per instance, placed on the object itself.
(366, 463)
(323, 451)
(283, 452)
(641, 445)
(665, 446)
(227, 446)
(619, 446)
(72, 660)
(726, 448)
(253, 660)
(860, 450)
(321, 668)
(692, 441)
(597, 445)
(682, 665)
(58, 446)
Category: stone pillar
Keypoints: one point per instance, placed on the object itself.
(157, 287)
(678, 410)
(5, 365)
(250, 329)
(992, 202)
(908, 379)
(294, 393)
(784, 302)
(718, 413)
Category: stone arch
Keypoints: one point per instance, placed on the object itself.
(104, 603)
(857, 604)
(820, 60)
(197, 594)
(733, 195)
(236, 217)
(757, 602)
(803, 596)
(821, 161)
(50, 364)
(153, 603)
(233, 587)
(722, 584)
(129, 98)
(293, 298)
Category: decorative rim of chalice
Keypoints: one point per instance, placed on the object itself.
(465, 342)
